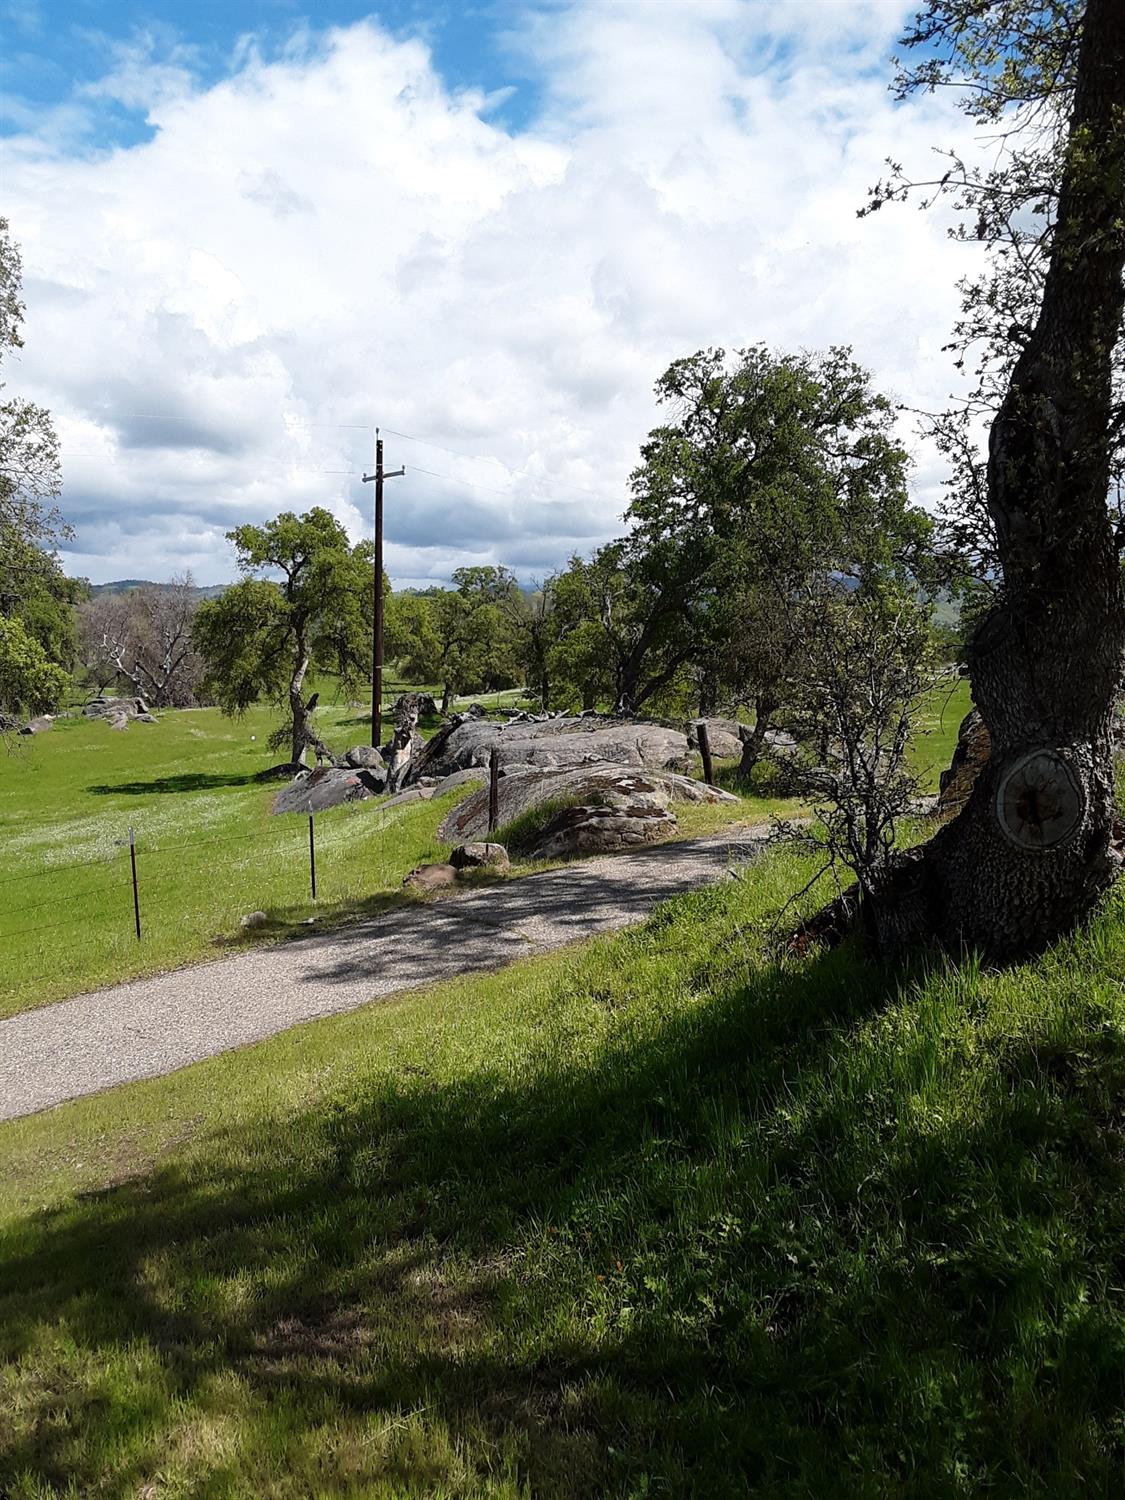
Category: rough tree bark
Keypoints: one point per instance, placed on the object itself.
(754, 739)
(1034, 846)
(298, 710)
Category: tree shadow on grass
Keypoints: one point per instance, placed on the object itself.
(185, 781)
(671, 1264)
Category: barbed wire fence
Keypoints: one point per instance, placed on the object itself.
(131, 874)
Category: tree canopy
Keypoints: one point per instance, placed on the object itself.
(260, 638)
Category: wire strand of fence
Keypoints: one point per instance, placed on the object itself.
(143, 847)
(74, 864)
(22, 911)
(56, 927)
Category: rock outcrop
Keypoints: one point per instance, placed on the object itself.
(628, 811)
(525, 787)
(328, 786)
(553, 744)
(364, 757)
(430, 878)
(974, 746)
(118, 713)
(722, 736)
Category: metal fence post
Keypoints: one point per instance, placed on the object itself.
(312, 857)
(136, 893)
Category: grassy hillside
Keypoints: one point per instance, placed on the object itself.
(658, 1216)
(209, 851)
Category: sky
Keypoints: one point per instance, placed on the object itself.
(252, 232)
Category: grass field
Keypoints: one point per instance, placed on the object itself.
(208, 849)
(659, 1215)
(655, 1216)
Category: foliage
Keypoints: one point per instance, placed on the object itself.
(1012, 64)
(34, 589)
(29, 680)
(39, 643)
(410, 636)
(260, 637)
(774, 471)
(869, 666)
(30, 473)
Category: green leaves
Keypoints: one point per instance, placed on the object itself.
(260, 637)
(29, 680)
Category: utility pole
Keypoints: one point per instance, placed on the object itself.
(377, 626)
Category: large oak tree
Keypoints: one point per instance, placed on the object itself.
(304, 601)
(1035, 844)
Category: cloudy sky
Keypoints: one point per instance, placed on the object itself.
(251, 231)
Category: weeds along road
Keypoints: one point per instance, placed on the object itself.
(148, 1027)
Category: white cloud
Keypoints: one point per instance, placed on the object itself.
(332, 237)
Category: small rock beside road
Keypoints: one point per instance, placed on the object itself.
(430, 877)
(480, 856)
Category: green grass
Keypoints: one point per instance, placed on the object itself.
(940, 719)
(208, 849)
(657, 1216)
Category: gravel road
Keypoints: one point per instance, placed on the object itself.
(153, 1026)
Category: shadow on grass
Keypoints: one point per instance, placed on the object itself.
(186, 781)
(705, 1259)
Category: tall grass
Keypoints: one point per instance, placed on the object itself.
(654, 1217)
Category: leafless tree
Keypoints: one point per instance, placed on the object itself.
(143, 638)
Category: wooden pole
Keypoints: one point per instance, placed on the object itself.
(705, 753)
(493, 788)
(377, 584)
(377, 628)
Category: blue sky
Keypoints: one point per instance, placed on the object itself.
(55, 48)
(252, 231)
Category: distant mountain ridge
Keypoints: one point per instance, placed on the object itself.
(125, 585)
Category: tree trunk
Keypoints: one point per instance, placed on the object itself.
(754, 739)
(297, 710)
(1033, 847)
(446, 697)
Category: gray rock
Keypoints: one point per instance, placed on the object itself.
(603, 829)
(117, 712)
(364, 757)
(524, 788)
(554, 743)
(478, 856)
(408, 794)
(722, 736)
(328, 786)
(38, 725)
(430, 877)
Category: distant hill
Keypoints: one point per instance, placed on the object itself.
(124, 585)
